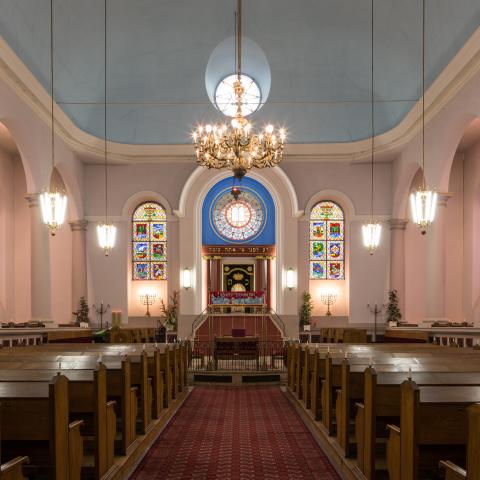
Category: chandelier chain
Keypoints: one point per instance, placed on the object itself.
(51, 85)
(373, 119)
(105, 118)
(239, 38)
(423, 94)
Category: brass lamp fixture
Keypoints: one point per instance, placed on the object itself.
(106, 232)
(423, 201)
(53, 200)
(237, 146)
(372, 230)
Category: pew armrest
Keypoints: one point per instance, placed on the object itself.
(452, 471)
(12, 470)
(393, 452)
(111, 432)
(359, 434)
(75, 449)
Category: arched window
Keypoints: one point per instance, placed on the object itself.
(327, 242)
(149, 242)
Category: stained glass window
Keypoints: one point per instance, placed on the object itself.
(149, 242)
(327, 242)
(238, 219)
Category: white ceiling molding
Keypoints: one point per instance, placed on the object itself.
(458, 72)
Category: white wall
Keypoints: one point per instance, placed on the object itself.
(367, 276)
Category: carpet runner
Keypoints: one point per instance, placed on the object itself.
(234, 433)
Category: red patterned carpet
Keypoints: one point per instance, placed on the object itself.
(233, 433)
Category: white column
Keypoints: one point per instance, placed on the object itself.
(40, 262)
(436, 262)
(79, 261)
(397, 259)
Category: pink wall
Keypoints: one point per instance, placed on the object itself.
(61, 275)
(14, 242)
(471, 299)
(455, 262)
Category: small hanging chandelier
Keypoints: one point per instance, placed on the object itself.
(106, 232)
(237, 146)
(53, 200)
(423, 201)
(372, 231)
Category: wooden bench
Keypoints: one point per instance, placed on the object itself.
(13, 470)
(34, 419)
(433, 423)
(472, 471)
(381, 406)
(87, 397)
(119, 386)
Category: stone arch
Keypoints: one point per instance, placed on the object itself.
(189, 213)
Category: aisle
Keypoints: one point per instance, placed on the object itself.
(235, 433)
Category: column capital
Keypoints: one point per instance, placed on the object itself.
(443, 198)
(78, 225)
(33, 199)
(398, 223)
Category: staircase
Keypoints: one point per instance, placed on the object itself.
(266, 324)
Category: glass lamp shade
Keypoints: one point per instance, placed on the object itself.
(186, 278)
(106, 234)
(423, 203)
(371, 233)
(290, 279)
(54, 206)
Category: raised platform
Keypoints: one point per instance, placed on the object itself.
(255, 325)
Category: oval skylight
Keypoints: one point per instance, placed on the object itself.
(226, 101)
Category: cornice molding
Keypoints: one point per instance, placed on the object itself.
(451, 80)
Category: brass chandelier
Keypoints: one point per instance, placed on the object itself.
(237, 146)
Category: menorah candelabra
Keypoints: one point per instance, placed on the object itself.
(101, 310)
(148, 299)
(328, 298)
(375, 309)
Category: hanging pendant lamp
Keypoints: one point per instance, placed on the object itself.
(372, 231)
(106, 232)
(423, 201)
(53, 201)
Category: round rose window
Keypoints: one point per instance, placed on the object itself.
(238, 220)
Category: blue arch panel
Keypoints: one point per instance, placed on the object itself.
(266, 234)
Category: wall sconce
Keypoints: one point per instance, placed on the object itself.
(290, 279)
(186, 278)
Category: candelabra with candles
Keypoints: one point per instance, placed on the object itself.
(101, 310)
(148, 299)
(328, 298)
(375, 309)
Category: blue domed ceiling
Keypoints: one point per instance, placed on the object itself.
(318, 52)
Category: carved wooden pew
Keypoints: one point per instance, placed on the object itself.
(382, 406)
(433, 424)
(88, 402)
(35, 420)
(163, 385)
(472, 471)
(352, 383)
(151, 402)
(119, 385)
(12, 470)
(326, 381)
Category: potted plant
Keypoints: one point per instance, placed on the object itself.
(81, 314)
(394, 314)
(306, 311)
(170, 311)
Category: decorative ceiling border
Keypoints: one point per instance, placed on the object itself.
(451, 80)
